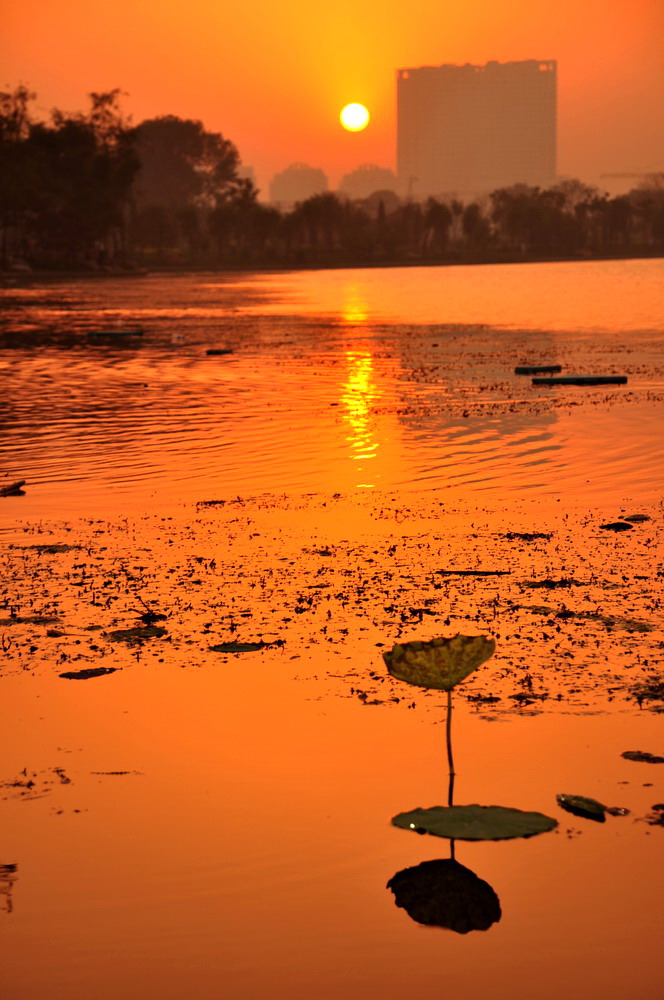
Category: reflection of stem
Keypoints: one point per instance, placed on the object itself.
(450, 759)
(452, 849)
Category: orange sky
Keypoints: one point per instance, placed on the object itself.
(273, 76)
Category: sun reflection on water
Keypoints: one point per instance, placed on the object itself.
(358, 397)
(355, 310)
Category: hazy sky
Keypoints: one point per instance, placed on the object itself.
(273, 76)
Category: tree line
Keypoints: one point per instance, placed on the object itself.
(90, 190)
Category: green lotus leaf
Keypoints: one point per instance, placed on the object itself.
(475, 822)
(439, 663)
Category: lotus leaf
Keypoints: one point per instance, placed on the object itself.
(137, 634)
(30, 620)
(239, 647)
(642, 756)
(85, 675)
(440, 663)
(475, 822)
(581, 805)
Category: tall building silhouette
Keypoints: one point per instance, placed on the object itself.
(472, 129)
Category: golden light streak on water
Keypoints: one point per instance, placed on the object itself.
(355, 310)
(358, 398)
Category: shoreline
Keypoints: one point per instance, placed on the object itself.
(19, 279)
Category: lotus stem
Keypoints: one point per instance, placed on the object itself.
(450, 758)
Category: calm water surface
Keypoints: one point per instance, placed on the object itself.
(197, 824)
(338, 380)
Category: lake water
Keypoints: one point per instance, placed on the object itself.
(338, 380)
(363, 467)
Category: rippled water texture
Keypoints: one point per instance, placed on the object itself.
(183, 819)
(336, 380)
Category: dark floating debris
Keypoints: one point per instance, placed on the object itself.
(13, 489)
(474, 572)
(86, 675)
(137, 634)
(537, 369)
(656, 817)
(8, 876)
(580, 805)
(149, 615)
(446, 894)
(636, 518)
(116, 773)
(50, 549)
(616, 526)
(216, 351)
(30, 620)
(245, 647)
(642, 757)
(34, 785)
(609, 621)
(527, 536)
(649, 689)
(128, 332)
(582, 380)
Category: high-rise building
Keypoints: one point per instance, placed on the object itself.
(471, 129)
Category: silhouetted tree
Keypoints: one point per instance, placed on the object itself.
(68, 178)
(438, 218)
(537, 221)
(322, 218)
(243, 229)
(647, 201)
(192, 176)
(475, 227)
(17, 171)
(67, 184)
(182, 164)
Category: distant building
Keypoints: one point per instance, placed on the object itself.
(296, 183)
(363, 181)
(471, 129)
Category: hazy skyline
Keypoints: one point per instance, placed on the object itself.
(273, 78)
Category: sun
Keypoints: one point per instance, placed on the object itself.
(354, 117)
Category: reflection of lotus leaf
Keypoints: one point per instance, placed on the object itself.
(445, 894)
(475, 822)
(440, 663)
